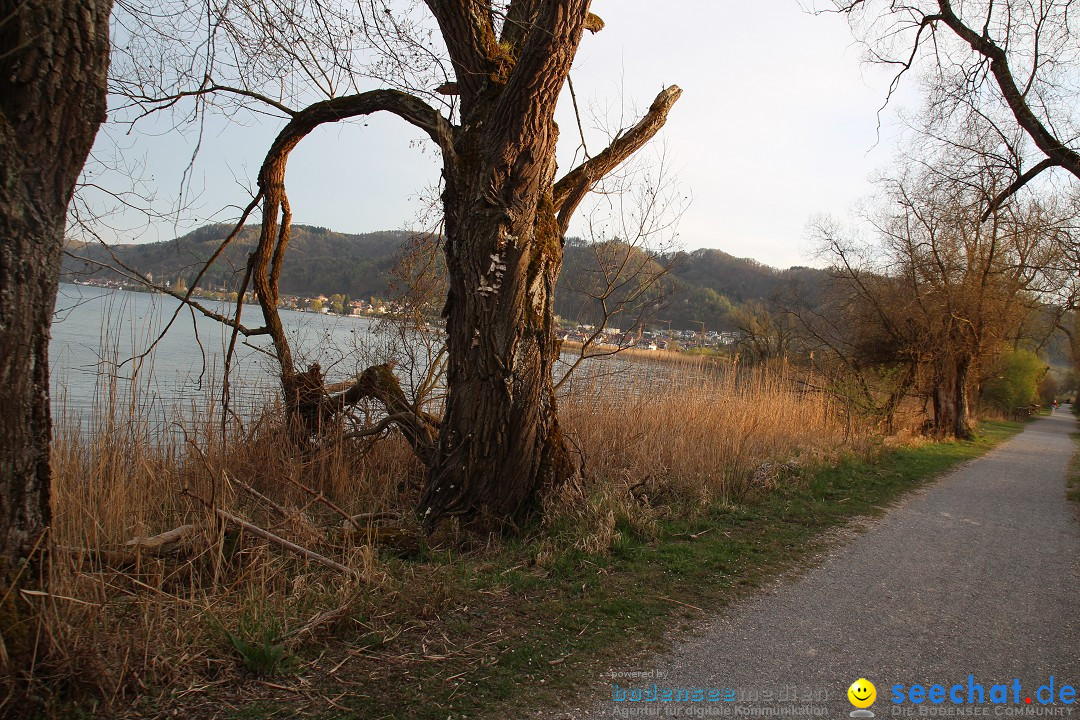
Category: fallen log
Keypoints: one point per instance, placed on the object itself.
(269, 536)
(170, 542)
(163, 543)
(258, 496)
(281, 542)
(359, 521)
(402, 539)
(112, 558)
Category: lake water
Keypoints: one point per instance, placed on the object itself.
(100, 336)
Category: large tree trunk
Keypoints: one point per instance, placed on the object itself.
(961, 419)
(499, 439)
(505, 215)
(53, 61)
(950, 397)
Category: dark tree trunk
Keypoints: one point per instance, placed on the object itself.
(950, 397)
(896, 397)
(499, 439)
(962, 425)
(53, 61)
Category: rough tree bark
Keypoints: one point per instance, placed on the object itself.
(53, 60)
(950, 396)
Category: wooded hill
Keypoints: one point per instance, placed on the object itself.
(705, 284)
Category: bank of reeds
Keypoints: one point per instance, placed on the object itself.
(690, 435)
(142, 628)
(706, 432)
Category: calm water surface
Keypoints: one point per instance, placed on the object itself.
(108, 343)
(102, 336)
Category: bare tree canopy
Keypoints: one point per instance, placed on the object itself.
(1003, 69)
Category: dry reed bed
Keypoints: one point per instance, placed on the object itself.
(702, 435)
(705, 433)
(221, 598)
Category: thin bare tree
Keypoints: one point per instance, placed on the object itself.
(1007, 64)
(621, 268)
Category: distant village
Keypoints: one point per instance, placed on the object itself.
(644, 339)
(641, 338)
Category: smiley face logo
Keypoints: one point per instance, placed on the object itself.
(862, 693)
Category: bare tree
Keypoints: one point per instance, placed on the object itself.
(765, 333)
(409, 344)
(417, 289)
(53, 61)
(1007, 64)
(941, 289)
(869, 362)
(481, 81)
(621, 267)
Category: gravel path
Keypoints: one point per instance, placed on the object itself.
(976, 575)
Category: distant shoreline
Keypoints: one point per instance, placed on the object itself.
(665, 356)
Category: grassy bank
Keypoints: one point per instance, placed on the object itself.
(700, 485)
(560, 630)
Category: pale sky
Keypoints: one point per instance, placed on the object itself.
(776, 124)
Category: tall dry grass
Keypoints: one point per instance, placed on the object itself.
(693, 434)
(121, 627)
(120, 624)
(706, 433)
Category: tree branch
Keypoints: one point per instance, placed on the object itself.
(269, 536)
(266, 262)
(408, 107)
(1020, 181)
(184, 298)
(468, 30)
(1046, 141)
(378, 381)
(158, 104)
(572, 188)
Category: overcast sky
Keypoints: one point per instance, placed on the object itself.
(777, 123)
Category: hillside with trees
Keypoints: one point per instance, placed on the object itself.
(320, 260)
(692, 287)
